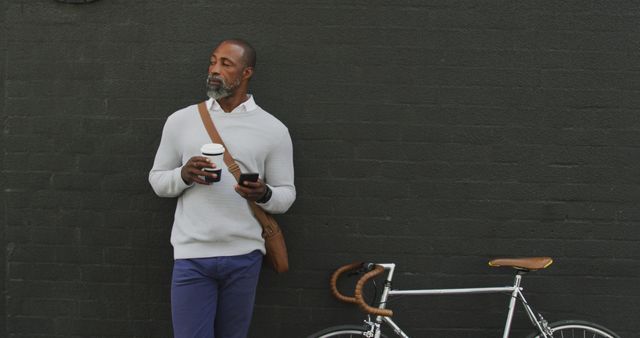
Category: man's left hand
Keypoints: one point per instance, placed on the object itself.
(251, 191)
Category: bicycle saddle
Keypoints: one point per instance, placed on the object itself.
(525, 263)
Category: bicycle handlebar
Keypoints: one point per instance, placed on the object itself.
(358, 299)
(358, 294)
(334, 281)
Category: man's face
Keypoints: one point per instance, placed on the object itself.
(225, 70)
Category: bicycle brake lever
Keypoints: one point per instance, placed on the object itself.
(366, 267)
(354, 273)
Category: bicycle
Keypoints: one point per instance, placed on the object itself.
(373, 328)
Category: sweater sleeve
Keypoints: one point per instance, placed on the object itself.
(279, 176)
(164, 177)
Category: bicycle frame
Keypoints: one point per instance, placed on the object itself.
(515, 290)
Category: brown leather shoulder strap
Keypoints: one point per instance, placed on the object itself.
(231, 163)
(215, 137)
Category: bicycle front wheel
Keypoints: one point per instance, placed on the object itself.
(342, 331)
(577, 328)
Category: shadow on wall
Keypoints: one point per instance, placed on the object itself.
(76, 2)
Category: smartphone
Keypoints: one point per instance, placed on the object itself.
(248, 177)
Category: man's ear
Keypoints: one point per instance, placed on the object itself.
(247, 73)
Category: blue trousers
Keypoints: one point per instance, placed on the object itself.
(214, 297)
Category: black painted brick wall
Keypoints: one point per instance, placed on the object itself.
(3, 264)
(434, 134)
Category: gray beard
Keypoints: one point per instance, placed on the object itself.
(218, 92)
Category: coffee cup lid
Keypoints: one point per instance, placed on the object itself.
(212, 148)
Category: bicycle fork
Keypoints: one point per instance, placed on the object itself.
(374, 327)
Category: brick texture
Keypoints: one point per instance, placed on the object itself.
(3, 118)
(434, 134)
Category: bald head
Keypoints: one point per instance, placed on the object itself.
(249, 53)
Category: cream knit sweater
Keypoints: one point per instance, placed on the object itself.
(213, 220)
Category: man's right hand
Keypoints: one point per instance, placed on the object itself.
(192, 170)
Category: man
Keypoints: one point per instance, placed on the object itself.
(217, 241)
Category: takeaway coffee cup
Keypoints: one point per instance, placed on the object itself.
(214, 152)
